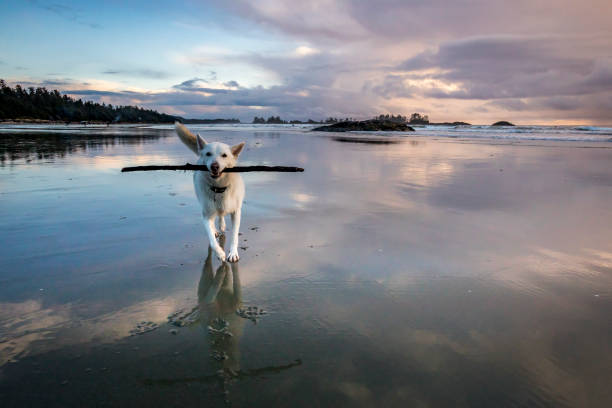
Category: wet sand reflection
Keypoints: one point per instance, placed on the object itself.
(219, 301)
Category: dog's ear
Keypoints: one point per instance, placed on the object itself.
(201, 142)
(236, 149)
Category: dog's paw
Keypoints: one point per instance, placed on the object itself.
(233, 256)
(220, 254)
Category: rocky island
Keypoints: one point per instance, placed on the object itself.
(503, 123)
(366, 125)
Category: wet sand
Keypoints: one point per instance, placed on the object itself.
(395, 271)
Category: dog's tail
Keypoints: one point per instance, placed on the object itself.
(186, 137)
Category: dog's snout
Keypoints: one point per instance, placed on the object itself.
(214, 166)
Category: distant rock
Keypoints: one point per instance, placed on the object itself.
(366, 126)
(503, 123)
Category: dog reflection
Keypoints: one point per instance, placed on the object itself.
(219, 296)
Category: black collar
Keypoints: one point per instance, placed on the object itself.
(218, 190)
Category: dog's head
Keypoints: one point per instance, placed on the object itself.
(217, 156)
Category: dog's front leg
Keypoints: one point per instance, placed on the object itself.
(233, 254)
(209, 225)
(221, 225)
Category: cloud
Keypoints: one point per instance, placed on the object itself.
(146, 73)
(585, 107)
(191, 84)
(392, 55)
(94, 92)
(321, 20)
(465, 60)
(342, 21)
(47, 83)
(191, 98)
(304, 84)
(303, 51)
(231, 84)
(69, 13)
(511, 67)
(50, 82)
(201, 85)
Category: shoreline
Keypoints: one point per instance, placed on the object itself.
(517, 134)
(204, 123)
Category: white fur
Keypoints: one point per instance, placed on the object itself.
(217, 204)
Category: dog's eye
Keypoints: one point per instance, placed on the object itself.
(224, 155)
(208, 153)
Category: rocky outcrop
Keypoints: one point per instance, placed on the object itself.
(366, 126)
(502, 123)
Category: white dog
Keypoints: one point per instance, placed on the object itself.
(219, 193)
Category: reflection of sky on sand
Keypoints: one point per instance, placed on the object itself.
(520, 334)
(444, 267)
(29, 328)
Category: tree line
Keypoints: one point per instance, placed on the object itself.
(40, 103)
(415, 119)
(278, 120)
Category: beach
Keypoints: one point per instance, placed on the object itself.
(459, 266)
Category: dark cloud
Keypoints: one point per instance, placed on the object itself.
(190, 84)
(49, 83)
(94, 92)
(510, 67)
(194, 85)
(144, 73)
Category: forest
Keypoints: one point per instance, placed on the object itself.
(41, 104)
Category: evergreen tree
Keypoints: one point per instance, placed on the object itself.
(39, 103)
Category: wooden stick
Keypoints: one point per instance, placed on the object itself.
(237, 169)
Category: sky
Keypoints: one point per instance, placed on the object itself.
(527, 61)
